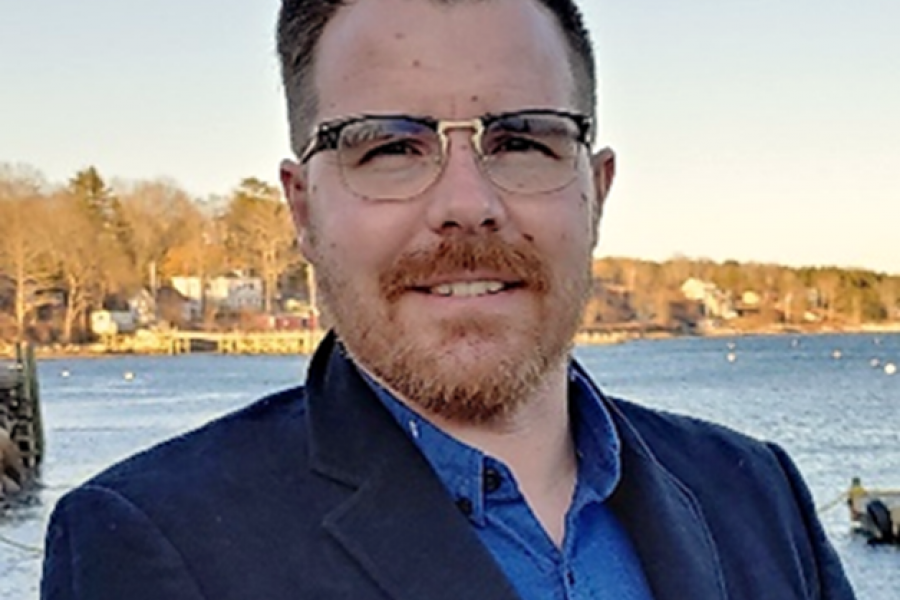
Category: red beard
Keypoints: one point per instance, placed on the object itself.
(454, 376)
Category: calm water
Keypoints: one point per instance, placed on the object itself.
(837, 417)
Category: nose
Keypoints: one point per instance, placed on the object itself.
(463, 199)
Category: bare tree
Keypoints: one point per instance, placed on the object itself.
(260, 233)
(157, 217)
(76, 252)
(828, 283)
(21, 253)
(888, 293)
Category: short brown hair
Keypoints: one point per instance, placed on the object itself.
(301, 22)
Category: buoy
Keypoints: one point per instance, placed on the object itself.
(129, 376)
(731, 345)
(795, 343)
(732, 357)
(875, 363)
(836, 355)
(64, 374)
(890, 369)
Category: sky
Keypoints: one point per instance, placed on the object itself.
(753, 130)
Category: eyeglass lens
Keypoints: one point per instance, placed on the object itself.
(398, 158)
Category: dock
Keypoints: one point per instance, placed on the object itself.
(21, 426)
(186, 342)
(588, 337)
(293, 342)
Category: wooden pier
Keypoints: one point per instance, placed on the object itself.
(274, 342)
(599, 338)
(186, 342)
(302, 342)
(21, 426)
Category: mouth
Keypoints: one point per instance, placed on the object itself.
(470, 289)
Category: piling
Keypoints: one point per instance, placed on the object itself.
(20, 416)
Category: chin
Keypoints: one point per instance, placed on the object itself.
(477, 341)
(473, 367)
(474, 371)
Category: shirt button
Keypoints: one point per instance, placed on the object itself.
(492, 480)
(465, 506)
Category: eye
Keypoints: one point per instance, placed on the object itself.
(403, 147)
(517, 144)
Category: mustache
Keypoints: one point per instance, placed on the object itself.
(451, 256)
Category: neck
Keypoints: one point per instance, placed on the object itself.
(536, 444)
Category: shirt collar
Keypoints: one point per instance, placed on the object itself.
(462, 469)
(597, 443)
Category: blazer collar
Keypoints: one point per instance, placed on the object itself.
(397, 520)
(664, 521)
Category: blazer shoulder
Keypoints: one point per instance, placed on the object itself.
(681, 442)
(735, 479)
(652, 422)
(235, 439)
(727, 472)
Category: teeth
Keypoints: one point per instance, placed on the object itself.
(468, 288)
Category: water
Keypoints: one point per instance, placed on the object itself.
(838, 417)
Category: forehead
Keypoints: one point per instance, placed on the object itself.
(450, 61)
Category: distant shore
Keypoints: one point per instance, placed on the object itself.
(583, 338)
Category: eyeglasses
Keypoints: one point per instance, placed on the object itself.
(384, 157)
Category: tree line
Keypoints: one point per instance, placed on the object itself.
(69, 248)
(746, 295)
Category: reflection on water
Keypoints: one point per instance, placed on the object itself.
(838, 417)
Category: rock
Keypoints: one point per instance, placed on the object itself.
(12, 470)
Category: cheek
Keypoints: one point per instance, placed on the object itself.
(363, 237)
(561, 229)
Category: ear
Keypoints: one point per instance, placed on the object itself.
(603, 164)
(296, 191)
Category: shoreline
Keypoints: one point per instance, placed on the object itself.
(584, 338)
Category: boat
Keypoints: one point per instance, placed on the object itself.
(874, 513)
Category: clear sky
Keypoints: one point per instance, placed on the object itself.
(764, 130)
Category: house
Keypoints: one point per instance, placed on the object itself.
(112, 322)
(751, 299)
(174, 309)
(697, 289)
(714, 303)
(231, 292)
(143, 306)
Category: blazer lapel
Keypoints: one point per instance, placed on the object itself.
(665, 524)
(402, 528)
(397, 522)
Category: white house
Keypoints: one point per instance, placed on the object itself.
(716, 303)
(233, 292)
(112, 322)
(751, 298)
(697, 289)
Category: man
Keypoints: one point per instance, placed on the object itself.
(445, 446)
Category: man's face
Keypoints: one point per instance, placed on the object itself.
(385, 268)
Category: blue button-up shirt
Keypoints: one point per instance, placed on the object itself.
(596, 559)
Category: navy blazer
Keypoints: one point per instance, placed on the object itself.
(316, 492)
